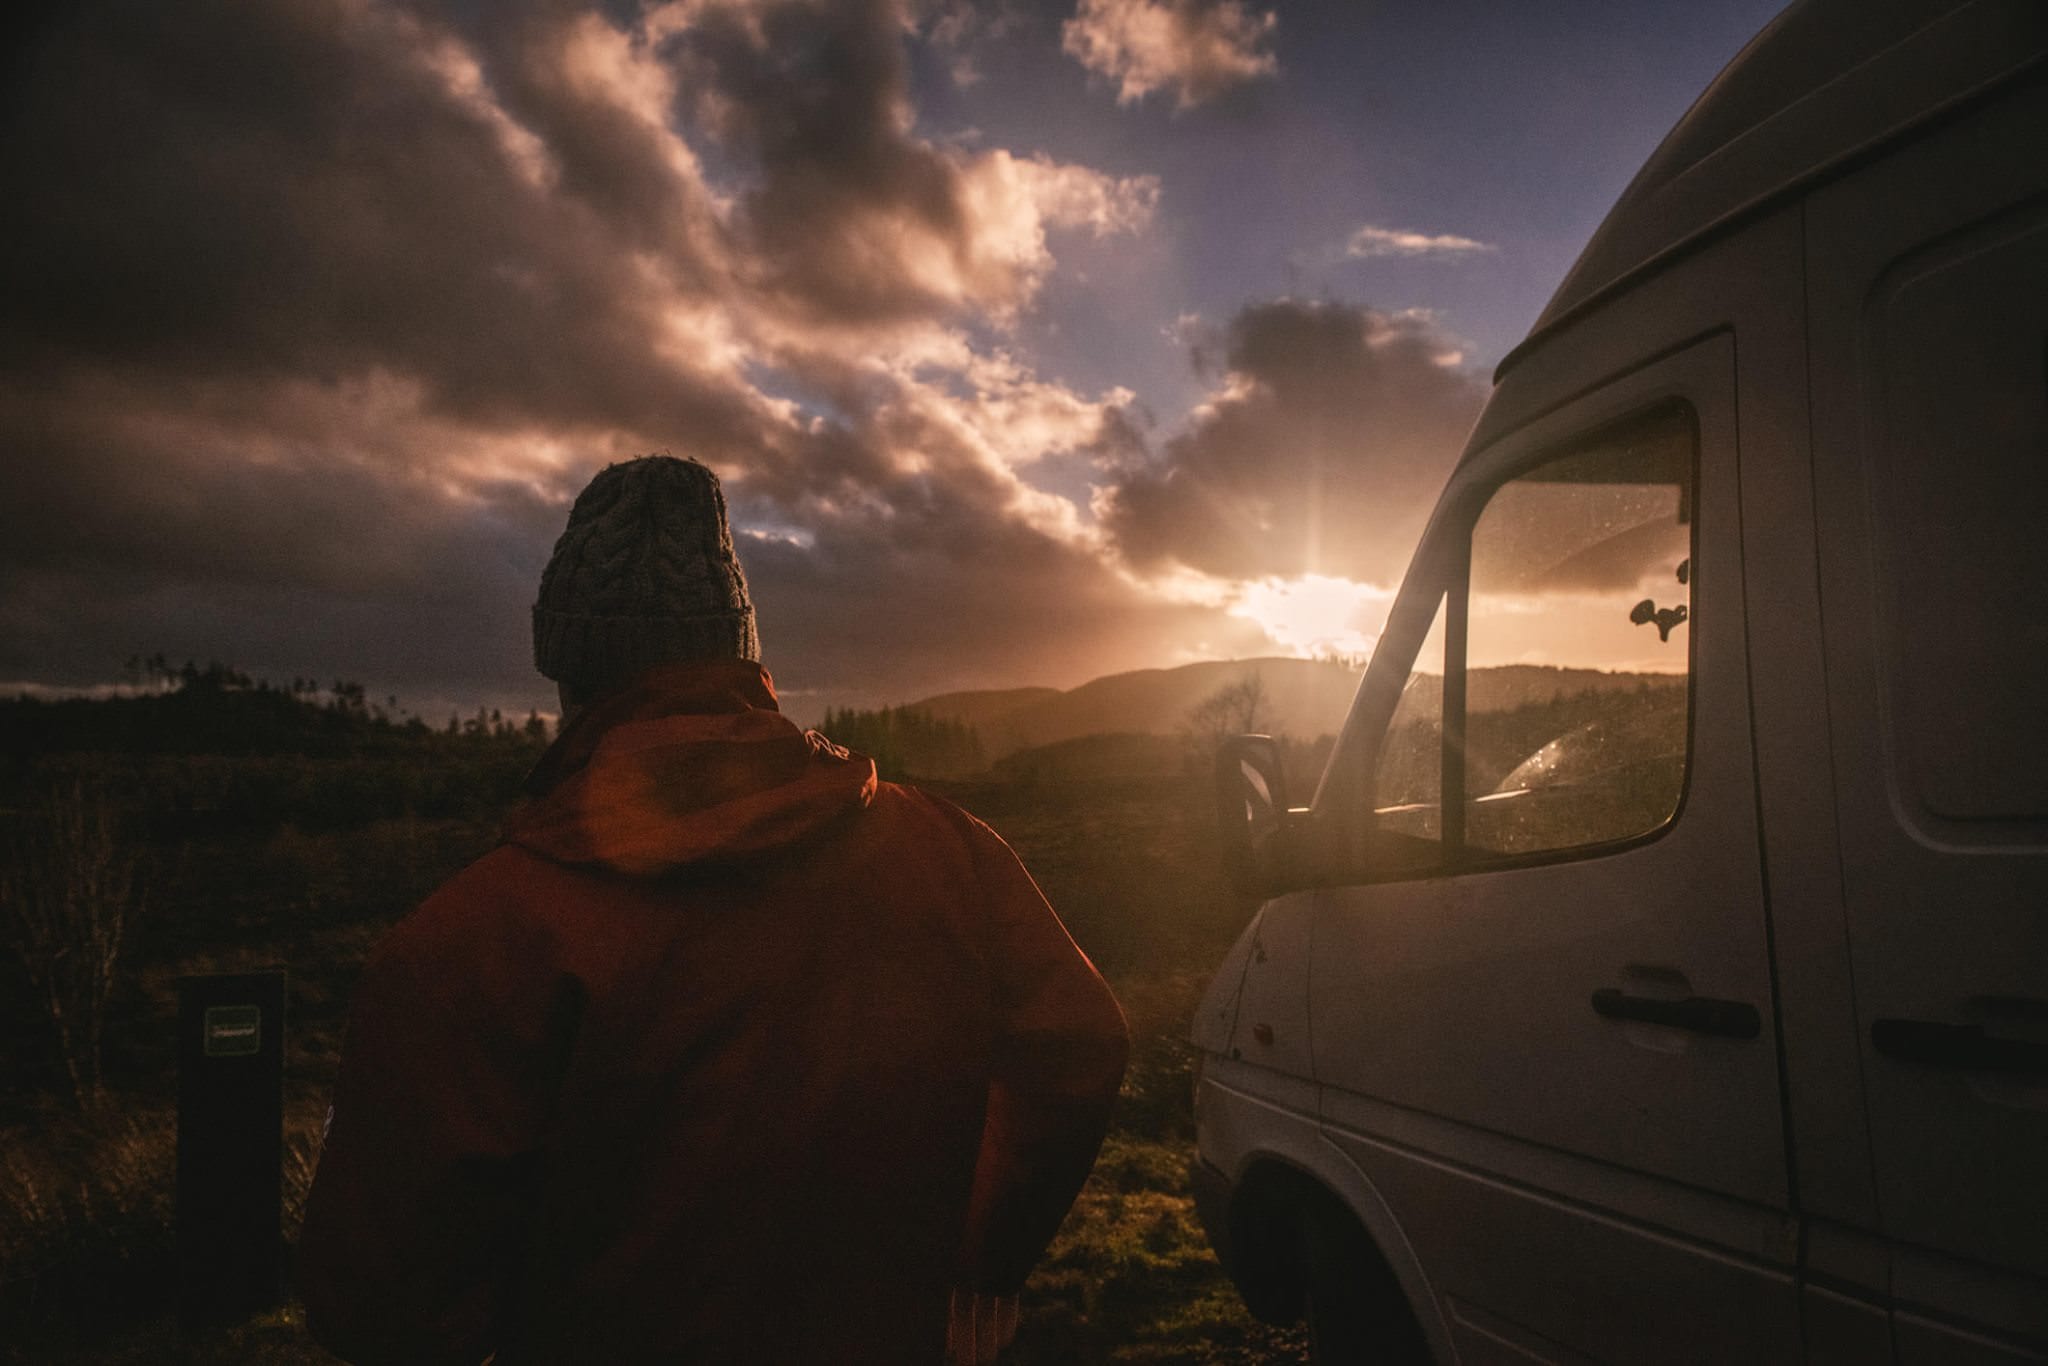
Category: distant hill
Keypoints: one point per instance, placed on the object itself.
(1304, 698)
(1508, 686)
(985, 709)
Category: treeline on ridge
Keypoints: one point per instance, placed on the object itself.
(218, 709)
(209, 748)
(908, 741)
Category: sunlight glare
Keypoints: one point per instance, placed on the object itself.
(1314, 615)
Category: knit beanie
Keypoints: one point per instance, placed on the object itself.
(644, 574)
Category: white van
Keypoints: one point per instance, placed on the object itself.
(1660, 972)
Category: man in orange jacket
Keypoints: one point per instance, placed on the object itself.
(730, 1052)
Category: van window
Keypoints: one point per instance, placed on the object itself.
(1577, 644)
(1408, 776)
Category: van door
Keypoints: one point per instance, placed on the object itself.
(1546, 1035)
(1929, 312)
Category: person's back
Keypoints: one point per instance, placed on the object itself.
(729, 1053)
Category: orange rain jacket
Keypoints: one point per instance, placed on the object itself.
(729, 1054)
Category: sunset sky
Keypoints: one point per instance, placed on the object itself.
(1034, 341)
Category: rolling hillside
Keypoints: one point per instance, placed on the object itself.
(986, 709)
(1304, 698)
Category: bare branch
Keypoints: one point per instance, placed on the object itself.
(67, 892)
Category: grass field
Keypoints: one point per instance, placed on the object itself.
(85, 1199)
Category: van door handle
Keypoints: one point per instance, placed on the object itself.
(1701, 1014)
(1965, 1047)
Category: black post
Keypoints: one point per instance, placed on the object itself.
(230, 1146)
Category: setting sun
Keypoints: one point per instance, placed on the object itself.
(1316, 615)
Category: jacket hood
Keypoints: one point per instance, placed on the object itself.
(691, 765)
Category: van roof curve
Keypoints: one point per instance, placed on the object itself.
(1825, 83)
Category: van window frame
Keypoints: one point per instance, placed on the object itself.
(1453, 579)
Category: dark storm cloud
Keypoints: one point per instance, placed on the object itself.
(850, 220)
(815, 93)
(297, 190)
(253, 497)
(1322, 452)
(597, 110)
(136, 526)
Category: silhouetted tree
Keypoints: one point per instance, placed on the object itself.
(1233, 709)
(67, 890)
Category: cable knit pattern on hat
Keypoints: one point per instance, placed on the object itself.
(644, 574)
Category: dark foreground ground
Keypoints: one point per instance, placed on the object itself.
(85, 1199)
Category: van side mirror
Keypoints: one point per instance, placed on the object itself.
(1261, 834)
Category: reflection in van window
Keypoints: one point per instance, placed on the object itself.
(1578, 644)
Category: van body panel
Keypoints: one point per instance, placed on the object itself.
(1272, 1026)
(1463, 1000)
(1974, 1300)
(1468, 996)
(1853, 1261)
(1216, 1016)
(1929, 1342)
(1795, 777)
(1243, 1119)
(1844, 1330)
(1928, 291)
(1609, 1289)
(1744, 1231)
(1485, 1339)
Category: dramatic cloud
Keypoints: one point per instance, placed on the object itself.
(852, 219)
(1199, 48)
(1320, 452)
(959, 29)
(1375, 241)
(318, 314)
